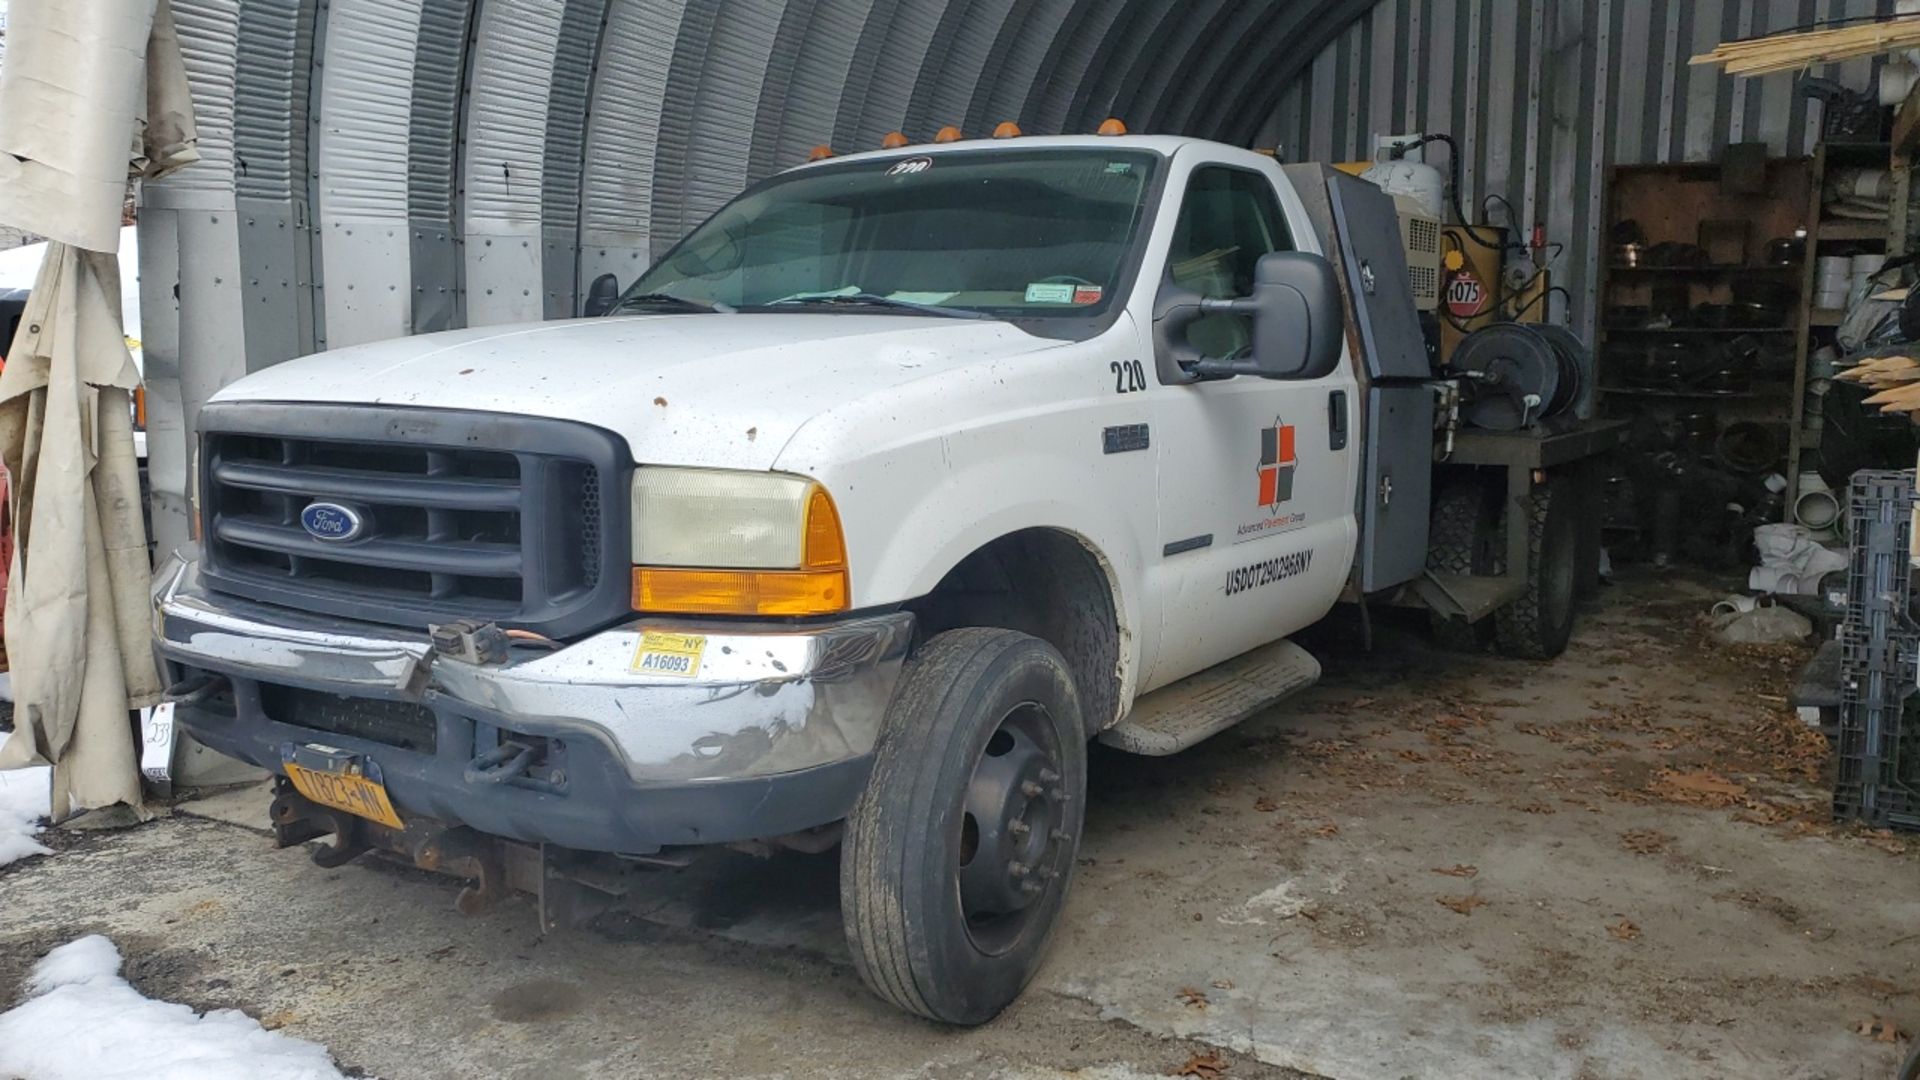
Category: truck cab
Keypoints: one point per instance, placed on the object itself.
(851, 521)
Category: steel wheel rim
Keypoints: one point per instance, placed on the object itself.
(1014, 835)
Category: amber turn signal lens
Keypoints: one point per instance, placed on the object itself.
(739, 592)
(826, 546)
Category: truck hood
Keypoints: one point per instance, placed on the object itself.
(726, 391)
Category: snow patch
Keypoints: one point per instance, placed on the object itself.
(1283, 901)
(82, 1021)
(25, 800)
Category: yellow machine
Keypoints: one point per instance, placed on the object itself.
(1482, 285)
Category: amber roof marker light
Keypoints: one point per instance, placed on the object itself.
(893, 140)
(948, 134)
(820, 153)
(1007, 130)
(1111, 126)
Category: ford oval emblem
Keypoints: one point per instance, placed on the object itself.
(332, 521)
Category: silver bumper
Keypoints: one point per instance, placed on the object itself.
(760, 701)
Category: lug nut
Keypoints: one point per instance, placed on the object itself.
(1017, 868)
(1048, 776)
(1058, 834)
(1019, 828)
(1030, 886)
(1029, 788)
(1048, 873)
(1058, 794)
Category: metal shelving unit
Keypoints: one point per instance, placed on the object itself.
(1819, 320)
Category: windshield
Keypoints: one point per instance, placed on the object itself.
(1043, 233)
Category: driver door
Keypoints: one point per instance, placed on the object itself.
(1256, 497)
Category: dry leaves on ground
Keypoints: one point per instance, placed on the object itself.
(1696, 787)
(1764, 813)
(1457, 870)
(1645, 841)
(1885, 840)
(1207, 1066)
(1192, 997)
(1329, 829)
(1880, 1029)
(1462, 904)
(1624, 930)
(1265, 804)
(1222, 984)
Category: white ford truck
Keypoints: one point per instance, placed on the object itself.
(853, 521)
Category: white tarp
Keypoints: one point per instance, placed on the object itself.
(77, 101)
(20, 266)
(83, 102)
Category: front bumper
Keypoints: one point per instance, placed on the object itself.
(772, 732)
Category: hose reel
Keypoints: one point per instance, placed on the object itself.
(1518, 374)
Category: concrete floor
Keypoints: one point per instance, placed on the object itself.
(1615, 865)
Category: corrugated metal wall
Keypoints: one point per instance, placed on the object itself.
(1542, 95)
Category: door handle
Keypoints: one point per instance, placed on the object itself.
(1337, 420)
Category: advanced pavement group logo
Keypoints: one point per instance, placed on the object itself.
(1277, 464)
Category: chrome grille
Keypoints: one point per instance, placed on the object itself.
(465, 516)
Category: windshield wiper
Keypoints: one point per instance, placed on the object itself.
(660, 299)
(867, 299)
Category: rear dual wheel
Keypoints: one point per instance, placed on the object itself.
(1538, 625)
(957, 858)
(1467, 538)
(1464, 539)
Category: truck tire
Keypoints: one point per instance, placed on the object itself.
(1463, 538)
(1537, 625)
(957, 857)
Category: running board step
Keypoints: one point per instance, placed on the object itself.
(1206, 703)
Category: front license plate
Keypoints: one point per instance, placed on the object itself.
(344, 791)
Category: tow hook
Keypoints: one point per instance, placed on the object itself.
(195, 688)
(500, 764)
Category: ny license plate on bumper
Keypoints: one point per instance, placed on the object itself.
(337, 779)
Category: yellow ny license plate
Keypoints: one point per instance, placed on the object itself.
(343, 791)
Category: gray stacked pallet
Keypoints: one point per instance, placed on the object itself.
(1878, 780)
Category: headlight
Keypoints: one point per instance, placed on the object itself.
(714, 542)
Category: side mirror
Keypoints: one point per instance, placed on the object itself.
(602, 294)
(1298, 321)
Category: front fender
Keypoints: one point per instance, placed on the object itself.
(934, 470)
(946, 520)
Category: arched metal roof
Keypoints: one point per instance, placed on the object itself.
(494, 154)
(375, 168)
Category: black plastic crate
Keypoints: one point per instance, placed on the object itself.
(1878, 747)
(1895, 656)
(1878, 780)
(1879, 568)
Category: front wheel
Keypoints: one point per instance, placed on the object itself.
(957, 858)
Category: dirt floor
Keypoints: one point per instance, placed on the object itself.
(1615, 865)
